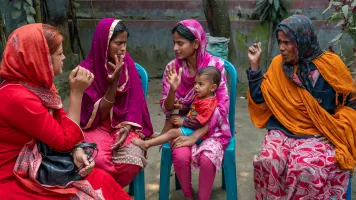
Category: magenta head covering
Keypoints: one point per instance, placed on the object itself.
(130, 105)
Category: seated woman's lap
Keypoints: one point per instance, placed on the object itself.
(297, 161)
(100, 179)
(123, 173)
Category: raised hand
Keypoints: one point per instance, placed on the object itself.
(113, 78)
(254, 55)
(80, 79)
(172, 77)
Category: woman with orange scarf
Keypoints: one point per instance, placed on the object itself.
(304, 101)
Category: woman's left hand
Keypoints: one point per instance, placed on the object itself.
(183, 141)
(84, 165)
(121, 136)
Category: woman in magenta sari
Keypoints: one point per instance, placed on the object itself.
(114, 109)
(190, 49)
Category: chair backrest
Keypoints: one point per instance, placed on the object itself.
(143, 76)
(232, 84)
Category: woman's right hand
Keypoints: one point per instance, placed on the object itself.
(114, 77)
(84, 165)
(80, 79)
(172, 77)
(254, 55)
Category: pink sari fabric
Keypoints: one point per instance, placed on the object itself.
(219, 128)
(290, 168)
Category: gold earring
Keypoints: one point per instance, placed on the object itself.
(195, 53)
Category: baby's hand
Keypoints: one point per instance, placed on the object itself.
(178, 121)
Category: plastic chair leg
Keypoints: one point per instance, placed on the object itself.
(139, 186)
(348, 193)
(230, 175)
(131, 189)
(164, 180)
(223, 185)
(177, 183)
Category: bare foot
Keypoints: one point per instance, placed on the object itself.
(140, 143)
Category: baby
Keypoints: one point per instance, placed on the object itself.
(207, 80)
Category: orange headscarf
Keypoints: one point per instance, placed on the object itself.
(27, 61)
(297, 110)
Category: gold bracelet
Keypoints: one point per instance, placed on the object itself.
(108, 100)
(72, 153)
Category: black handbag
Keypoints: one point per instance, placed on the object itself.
(58, 168)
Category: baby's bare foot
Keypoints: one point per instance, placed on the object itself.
(140, 143)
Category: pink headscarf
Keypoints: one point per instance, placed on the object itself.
(219, 125)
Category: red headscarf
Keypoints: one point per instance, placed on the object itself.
(27, 61)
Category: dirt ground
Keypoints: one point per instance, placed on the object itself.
(248, 144)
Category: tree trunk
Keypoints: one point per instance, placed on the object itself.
(269, 51)
(57, 14)
(37, 6)
(217, 16)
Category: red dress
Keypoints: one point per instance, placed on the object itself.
(23, 118)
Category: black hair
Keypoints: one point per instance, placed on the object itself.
(184, 32)
(119, 28)
(213, 73)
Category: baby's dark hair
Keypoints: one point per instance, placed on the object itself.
(213, 73)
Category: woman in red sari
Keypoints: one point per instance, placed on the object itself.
(32, 110)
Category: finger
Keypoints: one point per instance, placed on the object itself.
(86, 73)
(122, 139)
(117, 61)
(116, 72)
(80, 72)
(74, 72)
(121, 61)
(250, 49)
(112, 65)
(114, 146)
(85, 159)
(175, 141)
(167, 72)
(254, 49)
(259, 46)
(86, 170)
(180, 72)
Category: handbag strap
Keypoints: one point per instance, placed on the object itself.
(85, 145)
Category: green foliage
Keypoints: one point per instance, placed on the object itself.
(344, 16)
(272, 10)
(25, 6)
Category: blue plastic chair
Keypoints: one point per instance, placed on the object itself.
(137, 186)
(349, 190)
(229, 165)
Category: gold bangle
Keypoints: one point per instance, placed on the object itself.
(108, 100)
(72, 153)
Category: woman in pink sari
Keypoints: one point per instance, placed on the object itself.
(114, 109)
(190, 49)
